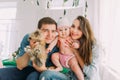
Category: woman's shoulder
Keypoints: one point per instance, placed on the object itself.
(96, 49)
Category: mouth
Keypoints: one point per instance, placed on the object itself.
(74, 34)
(48, 39)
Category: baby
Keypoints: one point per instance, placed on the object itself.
(65, 57)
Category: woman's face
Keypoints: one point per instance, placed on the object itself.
(75, 30)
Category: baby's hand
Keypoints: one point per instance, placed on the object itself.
(75, 45)
(48, 50)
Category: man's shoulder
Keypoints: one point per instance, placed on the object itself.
(26, 38)
(55, 49)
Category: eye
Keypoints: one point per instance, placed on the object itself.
(66, 29)
(45, 30)
(79, 28)
(60, 30)
(53, 31)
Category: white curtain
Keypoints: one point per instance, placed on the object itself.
(8, 30)
(109, 34)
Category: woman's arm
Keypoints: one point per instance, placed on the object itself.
(80, 61)
(92, 71)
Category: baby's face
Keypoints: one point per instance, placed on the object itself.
(63, 32)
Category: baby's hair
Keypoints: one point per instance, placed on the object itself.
(63, 22)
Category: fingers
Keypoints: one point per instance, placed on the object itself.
(69, 42)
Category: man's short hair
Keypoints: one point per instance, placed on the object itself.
(46, 20)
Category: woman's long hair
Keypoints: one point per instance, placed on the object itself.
(86, 41)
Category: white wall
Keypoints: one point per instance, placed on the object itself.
(29, 13)
(107, 73)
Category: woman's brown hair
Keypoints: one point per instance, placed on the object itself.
(86, 41)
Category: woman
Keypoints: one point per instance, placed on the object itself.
(87, 54)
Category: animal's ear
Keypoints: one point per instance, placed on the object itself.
(38, 30)
(29, 38)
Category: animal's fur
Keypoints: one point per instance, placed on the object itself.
(37, 54)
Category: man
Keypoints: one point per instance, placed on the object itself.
(48, 26)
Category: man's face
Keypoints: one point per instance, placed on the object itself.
(49, 30)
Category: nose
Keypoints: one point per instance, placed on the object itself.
(63, 31)
(74, 30)
(49, 34)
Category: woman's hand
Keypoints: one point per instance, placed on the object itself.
(76, 45)
(73, 43)
(39, 68)
(69, 42)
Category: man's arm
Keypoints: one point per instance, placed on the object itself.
(23, 57)
(22, 61)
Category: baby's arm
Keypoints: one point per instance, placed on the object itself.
(52, 45)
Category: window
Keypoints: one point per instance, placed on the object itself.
(7, 24)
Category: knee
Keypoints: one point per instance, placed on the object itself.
(46, 75)
(33, 76)
(2, 77)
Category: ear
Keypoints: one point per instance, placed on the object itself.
(38, 30)
(57, 33)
